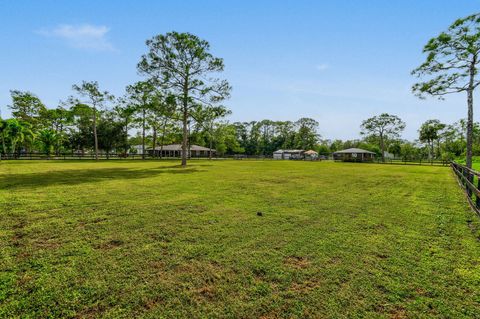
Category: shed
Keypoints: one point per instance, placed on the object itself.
(311, 154)
(288, 154)
(354, 155)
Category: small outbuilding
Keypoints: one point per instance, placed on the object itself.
(288, 154)
(175, 150)
(311, 155)
(354, 155)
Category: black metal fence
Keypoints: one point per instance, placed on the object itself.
(149, 156)
(85, 156)
(469, 180)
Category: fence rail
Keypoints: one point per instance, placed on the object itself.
(85, 156)
(414, 162)
(148, 156)
(469, 180)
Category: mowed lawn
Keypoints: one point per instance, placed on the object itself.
(125, 239)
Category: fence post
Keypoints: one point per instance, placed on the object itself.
(477, 201)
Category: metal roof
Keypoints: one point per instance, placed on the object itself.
(353, 150)
(288, 151)
(178, 147)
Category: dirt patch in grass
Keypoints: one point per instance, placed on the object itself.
(94, 311)
(114, 243)
(298, 262)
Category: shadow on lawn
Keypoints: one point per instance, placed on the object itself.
(80, 176)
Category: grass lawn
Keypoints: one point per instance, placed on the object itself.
(123, 239)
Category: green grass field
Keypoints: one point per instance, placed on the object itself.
(124, 239)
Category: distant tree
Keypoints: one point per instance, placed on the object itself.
(207, 117)
(125, 112)
(225, 139)
(307, 135)
(336, 145)
(285, 137)
(96, 99)
(429, 132)
(48, 139)
(323, 149)
(408, 151)
(17, 132)
(383, 126)
(162, 114)
(452, 66)
(58, 120)
(395, 148)
(141, 96)
(81, 132)
(26, 107)
(109, 134)
(183, 64)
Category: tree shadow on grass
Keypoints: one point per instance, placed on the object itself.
(80, 176)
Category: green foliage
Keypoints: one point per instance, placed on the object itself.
(452, 66)
(182, 64)
(429, 132)
(14, 132)
(26, 107)
(450, 59)
(384, 127)
(48, 138)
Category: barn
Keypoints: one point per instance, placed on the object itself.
(288, 154)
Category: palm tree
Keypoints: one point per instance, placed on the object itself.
(17, 131)
(49, 139)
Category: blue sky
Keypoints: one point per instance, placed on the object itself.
(336, 61)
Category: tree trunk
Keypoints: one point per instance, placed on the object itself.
(163, 137)
(154, 143)
(431, 150)
(211, 145)
(143, 133)
(95, 131)
(382, 146)
(185, 122)
(185, 134)
(469, 128)
(470, 114)
(126, 136)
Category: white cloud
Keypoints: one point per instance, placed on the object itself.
(322, 67)
(85, 36)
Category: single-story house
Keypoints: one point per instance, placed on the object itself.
(175, 150)
(354, 155)
(288, 154)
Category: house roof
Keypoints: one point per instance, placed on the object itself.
(178, 147)
(353, 150)
(288, 151)
(311, 152)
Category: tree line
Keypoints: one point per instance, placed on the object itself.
(180, 101)
(95, 120)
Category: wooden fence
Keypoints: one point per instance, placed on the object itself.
(413, 162)
(469, 180)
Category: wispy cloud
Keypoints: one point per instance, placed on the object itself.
(85, 36)
(322, 67)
